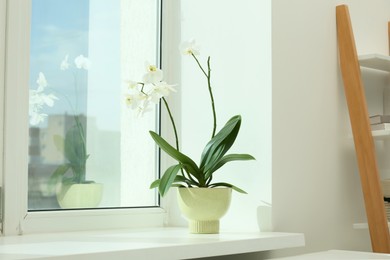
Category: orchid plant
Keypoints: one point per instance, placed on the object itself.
(73, 145)
(186, 173)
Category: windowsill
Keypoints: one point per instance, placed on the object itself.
(156, 243)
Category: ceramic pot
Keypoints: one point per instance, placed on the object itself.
(86, 195)
(203, 207)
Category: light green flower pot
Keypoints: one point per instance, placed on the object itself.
(86, 195)
(203, 207)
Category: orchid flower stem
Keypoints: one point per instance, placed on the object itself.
(76, 115)
(76, 89)
(211, 97)
(175, 131)
(142, 88)
(208, 76)
(200, 66)
(173, 123)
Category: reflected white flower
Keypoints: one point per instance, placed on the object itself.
(41, 81)
(153, 74)
(36, 118)
(34, 97)
(48, 99)
(38, 99)
(189, 48)
(82, 62)
(65, 63)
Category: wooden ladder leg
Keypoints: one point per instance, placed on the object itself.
(388, 32)
(364, 144)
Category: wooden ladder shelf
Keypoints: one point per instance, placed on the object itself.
(364, 143)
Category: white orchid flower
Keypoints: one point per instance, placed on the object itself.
(155, 97)
(141, 110)
(151, 89)
(189, 48)
(153, 74)
(129, 99)
(165, 88)
(135, 99)
(82, 62)
(161, 89)
(131, 84)
(65, 63)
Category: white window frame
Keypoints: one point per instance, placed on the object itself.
(16, 218)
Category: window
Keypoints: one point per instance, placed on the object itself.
(80, 53)
(70, 120)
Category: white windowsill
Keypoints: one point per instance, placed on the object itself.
(156, 243)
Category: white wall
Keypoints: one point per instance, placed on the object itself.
(316, 187)
(315, 183)
(237, 36)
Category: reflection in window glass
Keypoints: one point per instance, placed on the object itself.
(86, 149)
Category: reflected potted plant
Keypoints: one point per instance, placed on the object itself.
(75, 191)
(69, 181)
(202, 201)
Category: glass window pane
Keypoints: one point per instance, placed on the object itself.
(81, 132)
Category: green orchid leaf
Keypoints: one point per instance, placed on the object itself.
(178, 178)
(155, 184)
(80, 127)
(168, 178)
(224, 184)
(187, 162)
(75, 151)
(220, 143)
(214, 158)
(229, 158)
(74, 148)
(192, 182)
(178, 185)
(58, 175)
